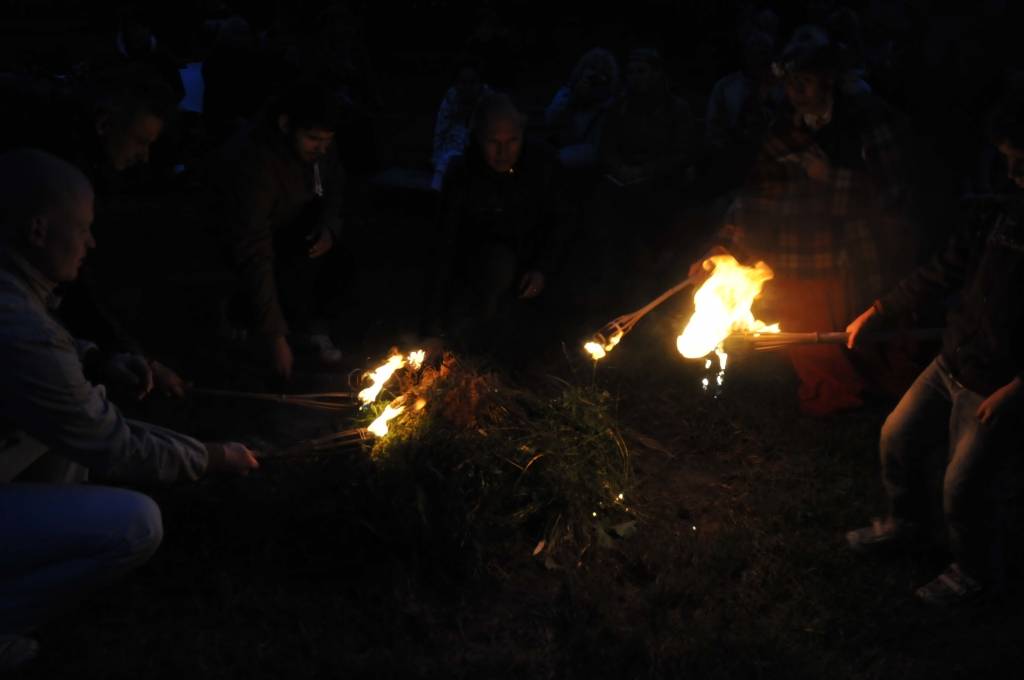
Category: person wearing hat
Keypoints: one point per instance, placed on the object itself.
(824, 205)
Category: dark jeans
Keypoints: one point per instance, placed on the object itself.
(60, 541)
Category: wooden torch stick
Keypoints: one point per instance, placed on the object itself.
(621, 325)
(774, 341)
(323, 445)
(316, 400)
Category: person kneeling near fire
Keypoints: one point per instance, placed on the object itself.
(279, 188)
(972, 391)
(61, 539)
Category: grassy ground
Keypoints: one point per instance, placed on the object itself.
(737, 569)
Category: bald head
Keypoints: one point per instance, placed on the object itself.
(45, 211)
(499, 126)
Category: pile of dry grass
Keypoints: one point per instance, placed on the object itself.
(485, 462)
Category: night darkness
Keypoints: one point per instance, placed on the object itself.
(310, 216)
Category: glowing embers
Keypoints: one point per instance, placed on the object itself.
(723, 307)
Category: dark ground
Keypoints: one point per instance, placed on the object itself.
(737, 570)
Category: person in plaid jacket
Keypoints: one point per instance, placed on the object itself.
(823, 205)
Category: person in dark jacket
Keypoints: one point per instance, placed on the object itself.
(499, 226)
(972, 390)
(126, 114)
(281, 192)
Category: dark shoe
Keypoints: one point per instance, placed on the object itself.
(951, 587)
(16, 651)
(881, 534)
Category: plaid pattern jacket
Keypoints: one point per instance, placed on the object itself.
(844, 226)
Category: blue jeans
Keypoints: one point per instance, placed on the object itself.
(58, 542)
(976, 488)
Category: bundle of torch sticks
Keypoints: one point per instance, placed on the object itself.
(339, 401)
(320, 401)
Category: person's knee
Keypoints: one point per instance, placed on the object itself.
(143, 528)
(892, 435)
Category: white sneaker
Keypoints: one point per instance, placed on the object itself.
(16, 651)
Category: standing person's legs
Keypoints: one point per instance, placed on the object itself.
(908, 435)
(977, 453)
(59, 542)
(916, 424)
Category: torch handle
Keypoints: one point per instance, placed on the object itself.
(269, 396)
(664, 296)
(840, 337)
(773, 341)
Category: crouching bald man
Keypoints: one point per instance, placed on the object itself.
(59, 539)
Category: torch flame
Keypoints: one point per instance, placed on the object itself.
(416, 358)
(379, 426)
(723, 306)
(380, 376)
(599, 347)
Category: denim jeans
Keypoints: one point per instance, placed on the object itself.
(976, 486)
(58, 542)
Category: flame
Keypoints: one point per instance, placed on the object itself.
(416, 358)
(595, 350)
(723, 306)
(599, 347)
(380, 376)
(379, 426)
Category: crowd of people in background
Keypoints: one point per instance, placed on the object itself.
(836, 143)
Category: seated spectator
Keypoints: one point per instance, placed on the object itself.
(136, 45)
(743, 104)
(451, 129)
(649, 133)
(650, 143)
(825, 205)
(62, 540)
(499, 230)
(843, 38)
(234, 79)
(575, 115)
(279, 189)
(333, 49)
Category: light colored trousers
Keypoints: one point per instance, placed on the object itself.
(60, 540)
(981, 476)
